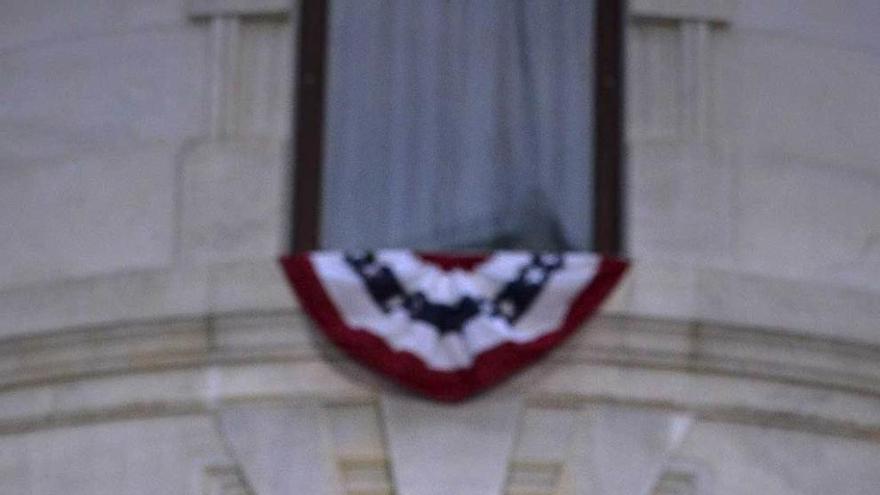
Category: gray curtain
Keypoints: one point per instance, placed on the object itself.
(459, 124)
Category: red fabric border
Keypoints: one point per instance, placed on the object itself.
(449, 262)
(490, 367)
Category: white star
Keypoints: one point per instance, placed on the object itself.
(372, 269)
(534, 276)
(506, 307)
(395, 302)
(550, 259)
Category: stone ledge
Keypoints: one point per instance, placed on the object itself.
(189, 391)
(741, 299)
(287, 337)
(210, 8)
(181, 366)
(654, 290)
(717, 11)
(144, 296)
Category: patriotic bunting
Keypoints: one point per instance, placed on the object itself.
(449, 326)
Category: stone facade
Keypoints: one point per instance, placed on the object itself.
(751, 129)
(150, 345)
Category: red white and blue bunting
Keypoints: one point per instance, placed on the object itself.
(449, 326)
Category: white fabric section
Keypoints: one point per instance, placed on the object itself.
(544, 316)
(504, 265)
(445, 287)
(440, 287)
(453, 351)
(358, 310)
(346, 289)
(459, 123)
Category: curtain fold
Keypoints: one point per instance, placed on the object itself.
(459, 124)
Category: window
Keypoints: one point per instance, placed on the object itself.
(458, 125)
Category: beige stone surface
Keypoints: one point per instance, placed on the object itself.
(126, 296)
(617, 450)
(232, 201)
(751, 138)
(618, 402)
(134, 137)
(150, 344)
(26, 24)
(112, 211)
(747, 459)
(281, 449)
(142, 457)
(68, 98)
(462, 448)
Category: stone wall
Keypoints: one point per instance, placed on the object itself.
(751, 137)
(149, 141)
(141, 135)
(255, 403)
(150, 345)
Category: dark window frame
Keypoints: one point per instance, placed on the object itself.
(607, 138)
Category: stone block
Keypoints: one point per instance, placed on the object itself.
(88, 215)
(282, 449)
(803, 101)
(126, 296)
(27, 24)
(766, 402)
(474, 439)
(89, 136)
(703, 10)
(289, 331)
(814, 308)
(251, 285)
(147, 394)
(211, 8)
(151, 294)
(803, 122)
(748, 459)
(680, 205)
(623, 450)
(93, 94)
(263, 102)
(851, 24)
(273, 381)
(233, 201)
(658, 289)
(807, 220)
(357, 431)
(163, 455)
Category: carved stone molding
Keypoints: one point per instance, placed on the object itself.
(755, 376)
(634, 388)
(213, 8)
(670, 79)
(683, 477)
(716, 11)
(249, 77)
(224, 480)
